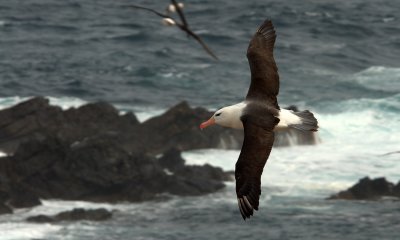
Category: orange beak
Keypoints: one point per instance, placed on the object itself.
(209, 122)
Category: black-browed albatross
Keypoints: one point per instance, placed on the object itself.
(184, 26)
(259, 115)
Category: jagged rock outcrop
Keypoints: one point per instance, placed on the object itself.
(77, 214)
(369, 189)
(36, 119)
(99, 169)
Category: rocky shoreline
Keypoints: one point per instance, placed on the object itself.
(76, 214)
(369, 189)
(94, 153)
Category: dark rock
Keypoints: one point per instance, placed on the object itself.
(205, 171)
(22, 197)
(36, 119)
(192, 180)
(90, 169)
(77, 214)
(172, 160)
(197, 180)
(367, 189)
(396, 190)
(40, 219)
(100, 169)
(16, 195)
(4, 195)
(4, 209)
(25, 121)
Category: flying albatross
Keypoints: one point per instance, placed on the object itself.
(259, 115)
(184, 26)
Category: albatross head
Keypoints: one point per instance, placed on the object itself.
(226, 117)
(171, 8)
(168, 22)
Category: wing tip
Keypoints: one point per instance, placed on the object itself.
(265, 37)
(267, 29)
(246, 207)
(266, 24)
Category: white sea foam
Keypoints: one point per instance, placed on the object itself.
(14, 226)
(145, 113)
(11, 101)
(66, 102)
(380, 78)
(63, 102)
(23, 231)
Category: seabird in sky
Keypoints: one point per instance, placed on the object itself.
(260, 116)
(183, 25)
(172, 9)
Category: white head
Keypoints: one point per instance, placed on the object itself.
(168, 22)
(226, 117)
(171, 8)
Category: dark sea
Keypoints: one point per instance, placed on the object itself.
(338, 58)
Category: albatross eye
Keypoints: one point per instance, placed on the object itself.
(218, 114)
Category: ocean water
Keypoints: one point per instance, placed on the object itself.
(336, 58)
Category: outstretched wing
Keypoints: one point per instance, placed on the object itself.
(198, 39)
(150, 10)
(264, 84)
(257, 145)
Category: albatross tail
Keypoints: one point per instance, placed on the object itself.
(308, 121)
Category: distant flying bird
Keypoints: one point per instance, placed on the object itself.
(260, 116)
(172, 9)
(170, 21)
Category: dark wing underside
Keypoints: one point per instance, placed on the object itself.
(256, 148)
(264, 84)
(150, 10)
(198, 39)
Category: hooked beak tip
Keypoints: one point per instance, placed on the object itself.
(207, 123)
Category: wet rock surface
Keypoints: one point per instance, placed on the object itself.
(369, 189)
(77, 214)
(4, 209)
